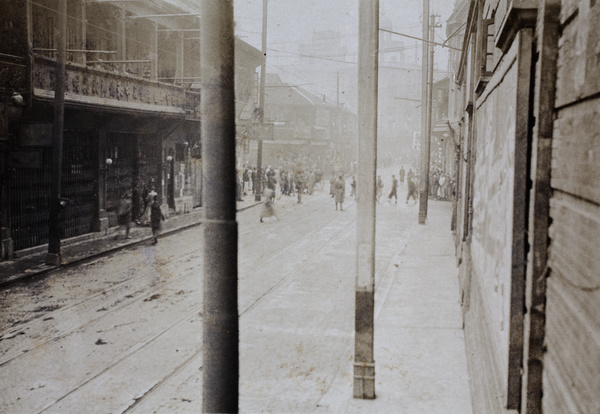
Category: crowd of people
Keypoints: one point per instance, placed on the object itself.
(290, 180)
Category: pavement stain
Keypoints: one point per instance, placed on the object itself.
(153, 297)
(46, 308)
(12, 335)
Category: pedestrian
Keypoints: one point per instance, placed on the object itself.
(353, 186)
(124, 212)
(285, 182)
(268, 209)
(402, 174)
(339, 189)
(245, 181)
(239, 186)
(332, 181)
(379, 189)
(310, 182)
(434, 184)
(254, 176)
(412, 188)
(300, 182)
(442, 187)
(394, 192)
(156, 218)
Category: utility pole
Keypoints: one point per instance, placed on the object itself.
(432, 27)
(337, 120)
(368, 53)
(54, 257)
(220, 318)
(261, 103)
(424, 174)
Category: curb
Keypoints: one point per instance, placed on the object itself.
(23, 277)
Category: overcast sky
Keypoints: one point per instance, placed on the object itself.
(293, 21)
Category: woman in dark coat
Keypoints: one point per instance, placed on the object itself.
(156, 218)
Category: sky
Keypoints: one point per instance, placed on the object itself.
(295, 20)
(292, 22)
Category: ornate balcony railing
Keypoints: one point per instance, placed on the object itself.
(111, 89)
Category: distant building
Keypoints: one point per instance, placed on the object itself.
(303, 127)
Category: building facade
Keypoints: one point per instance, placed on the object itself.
(525, 113)
(131, 123)
(303, 128)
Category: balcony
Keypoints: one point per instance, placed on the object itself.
(106, 89)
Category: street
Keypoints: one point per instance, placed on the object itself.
(123, 333)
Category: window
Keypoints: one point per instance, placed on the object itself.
(485, 55)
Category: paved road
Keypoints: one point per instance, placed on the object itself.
(123, 333)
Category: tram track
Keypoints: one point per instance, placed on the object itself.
(127, 298)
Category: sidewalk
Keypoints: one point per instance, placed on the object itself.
(420, 361)
(31, 262)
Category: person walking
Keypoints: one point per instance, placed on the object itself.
(268, 209)
(379, 189)
(245, 181)
(394, 192)
(412, 189)
(410, 175)
(353, 186)
(124, 212)
(332, 181)
(156, 219)
(300, 182)
(254, 177)
(339, 189)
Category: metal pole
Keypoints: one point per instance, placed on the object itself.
(430, 100)
(53, 257)
(338, 118)
(261, 103)
(424, 173)
(220, 338)
(368, 52)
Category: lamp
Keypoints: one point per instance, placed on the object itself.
(14, 106)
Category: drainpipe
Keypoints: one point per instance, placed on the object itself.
(220, 338)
